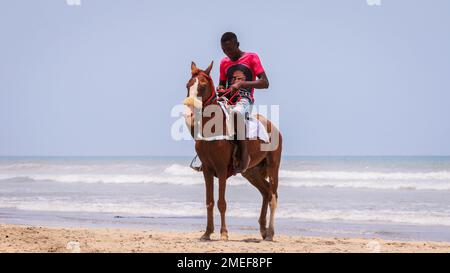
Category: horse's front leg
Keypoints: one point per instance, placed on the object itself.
(209, 184)
(222, 204)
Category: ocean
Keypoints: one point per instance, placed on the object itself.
(398, 198)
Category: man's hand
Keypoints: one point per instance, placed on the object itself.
(235, 87)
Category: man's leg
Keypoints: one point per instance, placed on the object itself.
(239, 113)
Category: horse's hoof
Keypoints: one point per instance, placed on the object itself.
(206, 237)
(224, 237)
(269, 235)
(263, 234)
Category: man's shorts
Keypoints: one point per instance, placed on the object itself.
(243, 107)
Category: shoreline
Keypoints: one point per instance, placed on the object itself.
(25, 238)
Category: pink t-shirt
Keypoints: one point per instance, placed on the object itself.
(248, 63)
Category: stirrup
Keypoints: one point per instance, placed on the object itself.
(197, 169)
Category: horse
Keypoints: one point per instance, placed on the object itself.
(217, 157)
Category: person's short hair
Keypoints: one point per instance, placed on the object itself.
(228, 36)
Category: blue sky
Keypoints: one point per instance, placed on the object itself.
(102, 78)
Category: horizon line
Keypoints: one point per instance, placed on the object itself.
(147, 156)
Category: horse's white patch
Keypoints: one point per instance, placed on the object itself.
(193, 96)
(189, 115)
(193, 90)
(273, 207)
(274, 201)
(189, 111)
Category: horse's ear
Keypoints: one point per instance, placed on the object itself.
(193, 67)
(208, 70)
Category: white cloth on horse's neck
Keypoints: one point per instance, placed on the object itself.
(254, 128)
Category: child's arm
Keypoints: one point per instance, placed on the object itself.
(261, 83)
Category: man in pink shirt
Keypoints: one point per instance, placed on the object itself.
(240, 73)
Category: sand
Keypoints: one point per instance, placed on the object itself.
(14, 238)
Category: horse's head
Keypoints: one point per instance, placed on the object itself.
(200, 87)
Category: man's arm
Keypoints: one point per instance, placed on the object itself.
(261, 83)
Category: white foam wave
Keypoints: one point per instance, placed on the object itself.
(197, 209)
(90, 167)
(379, 216)
(378, 185)
(178, 174)
(176, 169)
(184, 209)
(113, 179)
(329, 175)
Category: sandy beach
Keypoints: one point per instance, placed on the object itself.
(15, 238)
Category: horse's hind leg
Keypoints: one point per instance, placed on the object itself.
(254, 177)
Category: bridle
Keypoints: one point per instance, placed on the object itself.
(213, 96)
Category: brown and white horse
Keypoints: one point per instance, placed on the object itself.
(217, 157)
